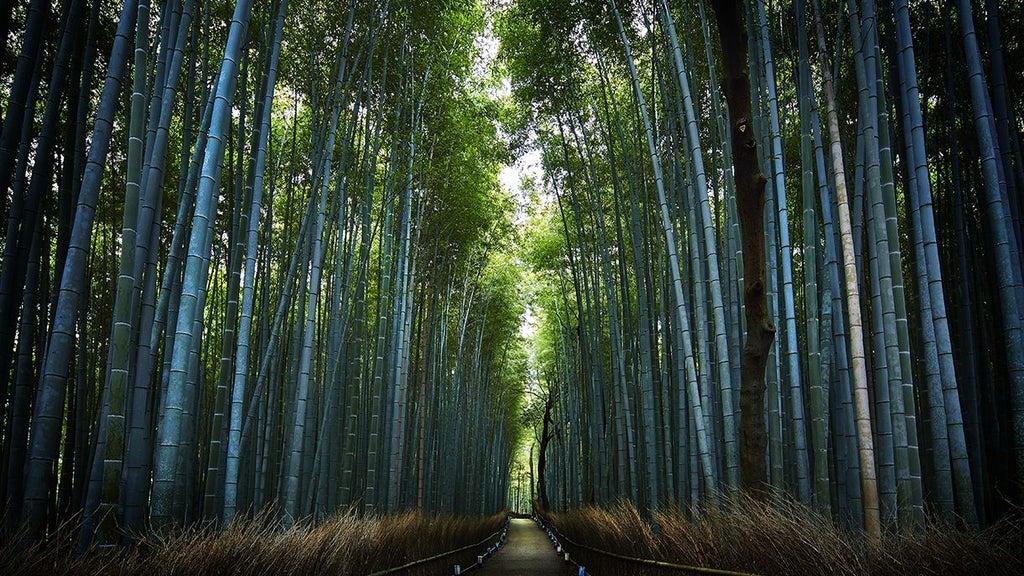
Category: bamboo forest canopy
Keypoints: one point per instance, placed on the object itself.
(258, 256)
(885, 261)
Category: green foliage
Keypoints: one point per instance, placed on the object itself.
(468, 213)
(428, 271)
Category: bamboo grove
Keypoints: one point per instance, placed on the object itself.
(888, 134)
(255, 258)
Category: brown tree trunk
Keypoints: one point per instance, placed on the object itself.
(545, 437)
(750, 196)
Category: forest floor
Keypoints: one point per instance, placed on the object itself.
(527, 552)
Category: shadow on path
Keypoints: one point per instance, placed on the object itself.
(527, 552)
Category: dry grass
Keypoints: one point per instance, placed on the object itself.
(342, 545)
(782, 538)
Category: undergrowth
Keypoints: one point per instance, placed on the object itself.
(342, 545)
(778, 538)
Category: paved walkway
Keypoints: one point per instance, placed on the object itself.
(526, 552)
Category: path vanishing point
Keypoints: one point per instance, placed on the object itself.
(528, 552)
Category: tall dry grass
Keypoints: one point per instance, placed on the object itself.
(779, 538)
(340, 546)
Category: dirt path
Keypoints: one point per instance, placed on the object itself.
(528, 552)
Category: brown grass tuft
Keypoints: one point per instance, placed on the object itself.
(781, 537)
(342, 545)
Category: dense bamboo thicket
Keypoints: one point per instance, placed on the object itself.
(829, 189)
(256, 257)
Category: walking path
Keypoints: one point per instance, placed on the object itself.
(527, 552)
